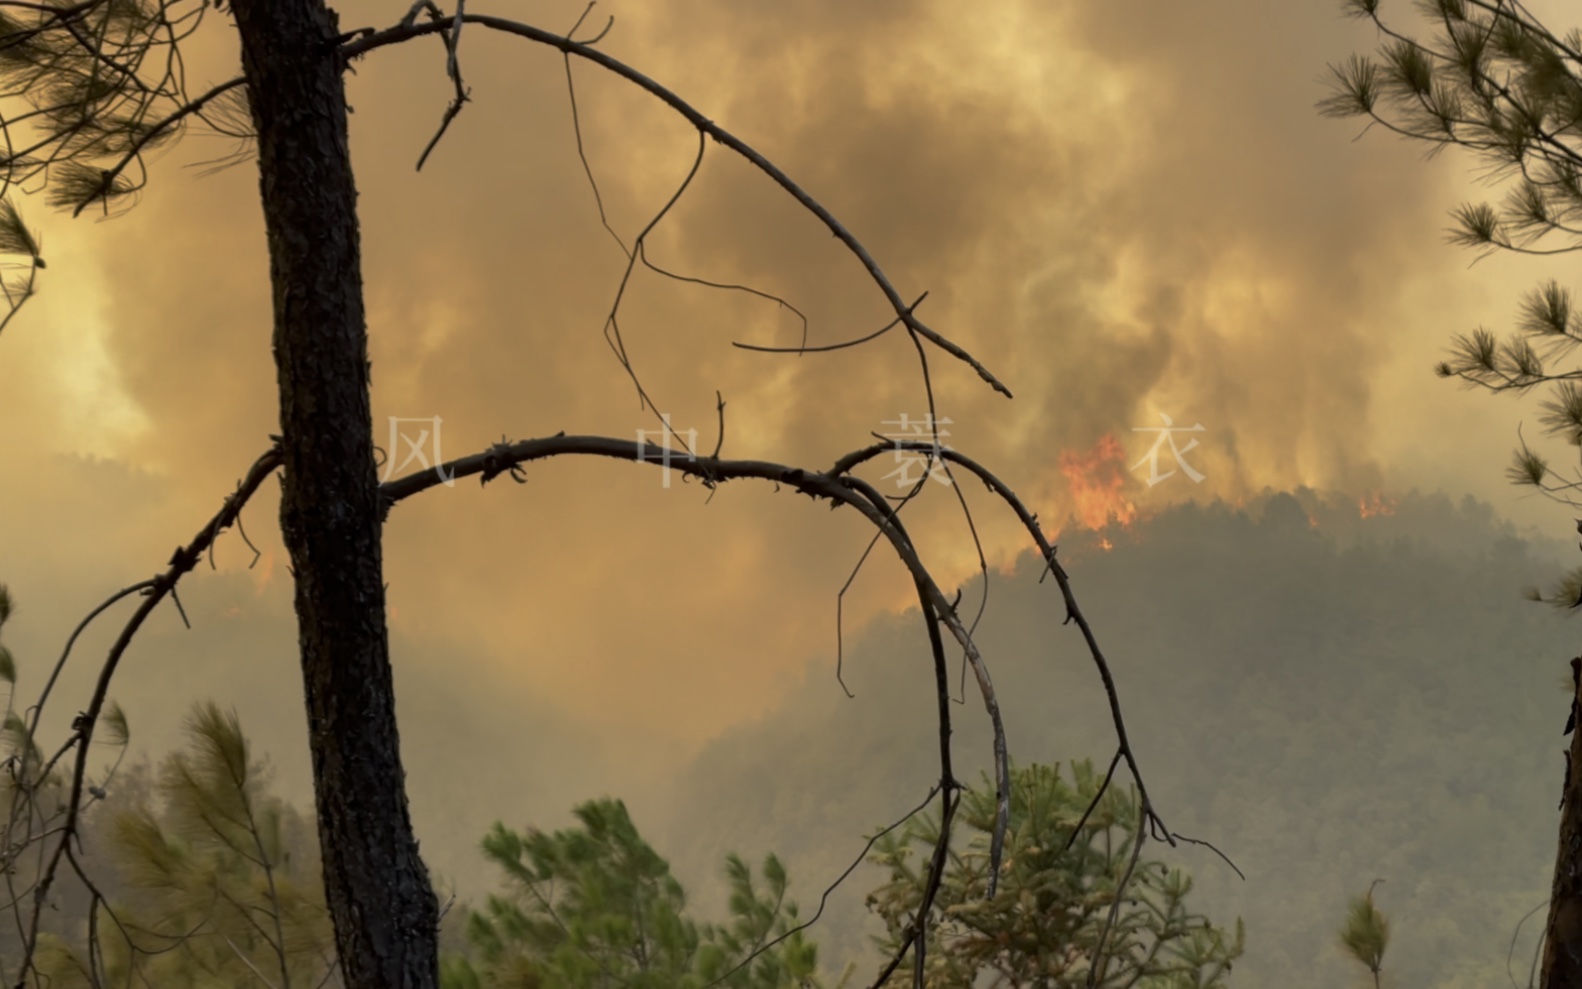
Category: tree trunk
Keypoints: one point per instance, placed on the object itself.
(376, 885)
(1562, 967)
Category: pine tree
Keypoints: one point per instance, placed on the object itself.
(1054, 916)
(221, 880)
(1367, 933)
(1498, 82)
(596, 907)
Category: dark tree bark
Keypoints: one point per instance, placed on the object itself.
(375, 883)
(1562, 965)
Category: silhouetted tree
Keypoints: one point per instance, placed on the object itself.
(96, 84)
(1495, 80)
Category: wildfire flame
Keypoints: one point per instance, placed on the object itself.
(1097, 479)
(1375, 504)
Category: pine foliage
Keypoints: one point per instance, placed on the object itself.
(595, 907)
(1056, 890)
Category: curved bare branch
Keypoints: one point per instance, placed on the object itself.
(840, 487)
(367, 40)
(182, 561)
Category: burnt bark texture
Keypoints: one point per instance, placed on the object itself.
(1562, 964)
(376, 885)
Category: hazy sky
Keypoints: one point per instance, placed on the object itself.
(1123, 209)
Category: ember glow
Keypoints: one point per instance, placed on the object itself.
(1098, 479)
(1375, 504)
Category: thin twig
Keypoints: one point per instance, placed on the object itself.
(405, 32)
(824, 899)
(181, 563)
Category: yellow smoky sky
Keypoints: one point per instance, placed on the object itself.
(1123, 209)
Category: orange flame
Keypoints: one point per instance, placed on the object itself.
(1375, 504)
(1097, 479)
(1106, 545)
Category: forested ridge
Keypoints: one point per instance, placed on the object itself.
(1328, 698)
(1365, 708)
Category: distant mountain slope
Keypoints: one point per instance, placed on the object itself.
(1327, 697)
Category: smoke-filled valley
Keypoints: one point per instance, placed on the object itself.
(1329, 691)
